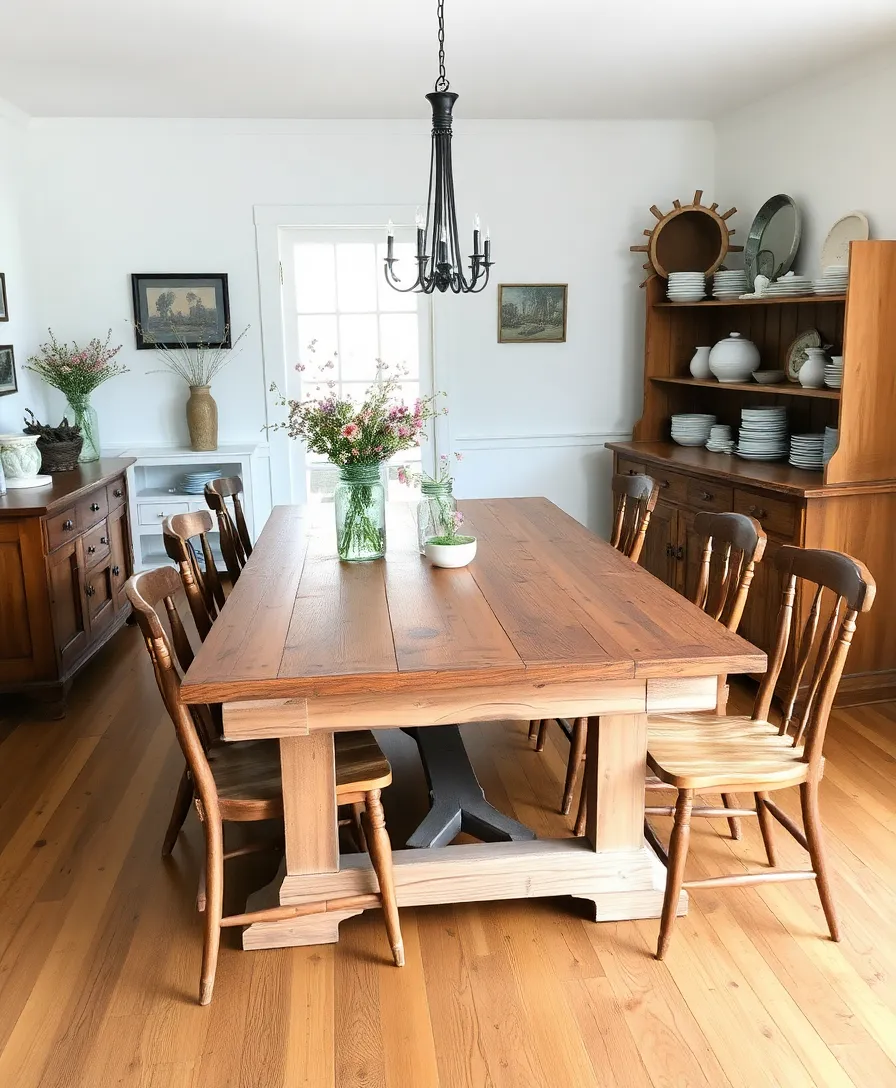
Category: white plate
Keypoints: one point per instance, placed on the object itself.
(852, 227)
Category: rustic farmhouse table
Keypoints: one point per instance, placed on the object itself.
(548, 621)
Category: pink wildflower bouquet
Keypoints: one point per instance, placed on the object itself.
(76, 371)
(347, 433)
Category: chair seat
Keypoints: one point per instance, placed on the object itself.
(722, 753)
(247, 773)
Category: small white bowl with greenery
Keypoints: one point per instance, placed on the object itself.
(451, 549)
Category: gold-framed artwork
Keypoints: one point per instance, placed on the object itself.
(532, 313)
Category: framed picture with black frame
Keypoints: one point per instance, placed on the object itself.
(181, 309)
(8, 383)
(4, 307)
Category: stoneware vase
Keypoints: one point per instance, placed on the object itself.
(734, 359)
(202, 418)
(811, 373)
(20, 456)
(700, 364)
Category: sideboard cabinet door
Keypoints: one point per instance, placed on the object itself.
(659, 554)
(67, 602)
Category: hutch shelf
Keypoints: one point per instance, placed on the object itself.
(850, 506)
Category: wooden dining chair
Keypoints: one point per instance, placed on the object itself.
(236, 547)
(205, 594)
(240, 782)
(732, 545)
(634, 500)
(748, 753)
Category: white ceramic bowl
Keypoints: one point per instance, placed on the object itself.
(451, 555)
(769, 377)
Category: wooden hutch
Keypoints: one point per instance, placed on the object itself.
(850, 506)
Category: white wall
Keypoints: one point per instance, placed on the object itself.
(19, 330)
(564, 201)
(828, 143)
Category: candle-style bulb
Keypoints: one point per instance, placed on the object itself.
(419, 220)
(488, 234)
(476, 222)
(390, 229)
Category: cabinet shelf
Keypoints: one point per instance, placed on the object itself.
(785, 389)
(716, 303)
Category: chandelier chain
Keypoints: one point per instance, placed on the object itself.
(442, 83)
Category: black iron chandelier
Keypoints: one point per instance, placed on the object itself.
(439, 259)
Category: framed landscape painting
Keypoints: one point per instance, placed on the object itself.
(188, 310)
(531, 313)
(8, 382)
(4, 309)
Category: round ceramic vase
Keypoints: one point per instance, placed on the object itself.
(811, 373)
(734, 359)
(700, 364)
(20, 456)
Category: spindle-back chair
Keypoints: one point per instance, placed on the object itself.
(205, 594)
(241, 781)
(236, 547)
(749, 753)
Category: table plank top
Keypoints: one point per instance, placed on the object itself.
(544, 599)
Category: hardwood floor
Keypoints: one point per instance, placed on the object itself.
(100, 944)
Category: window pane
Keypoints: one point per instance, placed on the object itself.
(358, 346)
(405, 270)
(356, 276)
(399, 341)
(322, 328)
(315, 278)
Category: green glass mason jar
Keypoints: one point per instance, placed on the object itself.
(435, 511)
(360, 501)
(81, 413)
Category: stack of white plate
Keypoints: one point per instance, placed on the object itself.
(729, 284)
(789, 285)
(686, 286)
(720, 439)
(807, 451)
(691, 428)
(763, 434)
(831, 438)
(833, 281)
(193, 483)
(833, 372)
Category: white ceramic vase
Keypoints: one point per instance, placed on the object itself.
(450, 555)
(734, 359)
(700, 364)
(811, 373)
(20, 456)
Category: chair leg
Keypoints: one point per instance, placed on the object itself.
(542, 735)
(582, 814)
(182, 803)
(815, 838)
(533, 728)
(576, 755)
(381, 856)
(734, 825)
(678, 856)
(357, 827)
(214, 906)
(766, 826)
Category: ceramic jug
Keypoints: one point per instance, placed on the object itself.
(700, 364)
(811, 373)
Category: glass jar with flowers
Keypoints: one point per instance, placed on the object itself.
(76, 372)
(358, 438)
(437, 505)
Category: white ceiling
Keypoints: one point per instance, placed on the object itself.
(376, 58)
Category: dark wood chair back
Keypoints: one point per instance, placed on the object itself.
(634, 498)
(236, 547)
(843, 588)
(205, 594)
(732, 546)
(152, 594)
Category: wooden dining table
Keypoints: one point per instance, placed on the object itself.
(548, 621)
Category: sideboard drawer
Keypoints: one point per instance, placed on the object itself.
(774, 515)
(629, 468)
(116, 494)
(62, 528)
(93, 509)
(673, 487)
(152, 513)
(705, 495)
(96, 544)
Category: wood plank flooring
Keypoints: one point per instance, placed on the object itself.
(100, 942)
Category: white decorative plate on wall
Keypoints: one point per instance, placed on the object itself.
(849, 228)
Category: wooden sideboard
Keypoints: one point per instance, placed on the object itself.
(64, 559)
(849, 507)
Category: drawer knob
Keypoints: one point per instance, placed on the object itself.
(117, 492)
(116, 570)
(104, 540)
(94, 506)
(663, 484)
(161, 514)
(68, 525)
(90, 591)
(759, 511)
(90, 549)
(707, 496)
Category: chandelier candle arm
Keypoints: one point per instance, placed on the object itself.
(440, 264)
